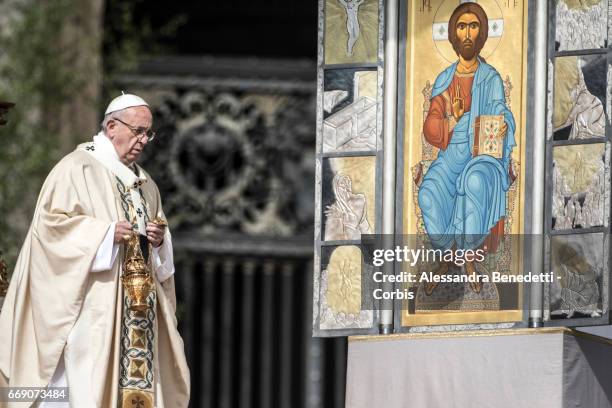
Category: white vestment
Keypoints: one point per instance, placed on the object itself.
(74, 361)
(73, 337)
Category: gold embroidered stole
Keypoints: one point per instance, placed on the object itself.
(138, 328)
(136, 366)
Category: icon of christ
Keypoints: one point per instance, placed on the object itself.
(463, 194)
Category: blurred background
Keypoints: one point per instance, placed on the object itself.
(233, 87)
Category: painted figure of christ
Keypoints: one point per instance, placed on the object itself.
(463, 195)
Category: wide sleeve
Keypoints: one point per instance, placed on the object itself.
(436, 127)
(65, 236)
(107, 252)
(163, 259)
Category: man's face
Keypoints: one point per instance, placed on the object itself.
(127, 144)
(468, 29)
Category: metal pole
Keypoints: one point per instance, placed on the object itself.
(389, 142)
(539, 155)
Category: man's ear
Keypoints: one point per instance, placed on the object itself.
(110, 127)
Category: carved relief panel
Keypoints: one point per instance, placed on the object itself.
(578, 165)
(349, 161)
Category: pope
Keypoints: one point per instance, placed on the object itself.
(66, 320)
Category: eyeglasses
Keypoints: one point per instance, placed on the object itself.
(139, 132)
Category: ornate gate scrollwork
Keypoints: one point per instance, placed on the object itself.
(235, 162)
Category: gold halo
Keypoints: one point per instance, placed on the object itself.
(443, 13)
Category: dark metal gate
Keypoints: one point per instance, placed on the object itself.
(246, 320)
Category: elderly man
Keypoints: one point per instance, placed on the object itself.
(67, 320)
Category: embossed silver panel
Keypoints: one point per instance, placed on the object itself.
(578, 263)
(581, 24)
(579, 99)
(579, 179)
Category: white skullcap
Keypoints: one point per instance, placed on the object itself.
(125, 101)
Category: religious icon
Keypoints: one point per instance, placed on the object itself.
(348, 197)
(579, 97)
(352, 22)
(341, 289)
(347, 216)
(579, 186)
(351, 31)
(350, 106)
(573, 16)
(578, 262)
(462, 196)
(463, 149)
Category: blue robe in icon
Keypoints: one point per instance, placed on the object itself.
(462, 197)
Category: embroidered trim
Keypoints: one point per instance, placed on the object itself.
(136, 364)
(146, 207)
(137, 344)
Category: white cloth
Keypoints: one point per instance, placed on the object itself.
(73, 367)
(163, 260)
(105, 153)
(107, 252)
(104, 144)
(58, 380)
(125, 101)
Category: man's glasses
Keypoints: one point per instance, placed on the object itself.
(139, 132)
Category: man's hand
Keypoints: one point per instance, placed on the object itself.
(155, 233)
(123, 230)
(458, 108)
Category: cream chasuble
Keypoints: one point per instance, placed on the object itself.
(57, 307)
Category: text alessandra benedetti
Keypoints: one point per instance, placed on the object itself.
(495, 277)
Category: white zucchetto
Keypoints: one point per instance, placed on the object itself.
(125, 101)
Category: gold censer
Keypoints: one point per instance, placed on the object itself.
(136, 278)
